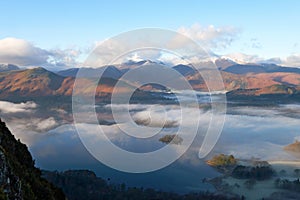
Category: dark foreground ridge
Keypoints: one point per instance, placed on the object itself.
(84, 184)
(19, 178)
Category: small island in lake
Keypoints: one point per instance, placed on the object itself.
(223, 163)
(241, 169)
(222, 160)
(173, 139)
(240, 177)
(294, 147)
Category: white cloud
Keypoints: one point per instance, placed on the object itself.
(9, 107)
(292, 60)
(24, 53)
(243, 58)
(275, 60)
(19, 128)
(124, 107)
(64, 58)
(46, 124)
(255, 43)
(289, 61)
(158, 44)
(135, 57)
(30, 129)
(105, 52)
(21, 52)
(146, 54)
(155, 117)
(211, 36)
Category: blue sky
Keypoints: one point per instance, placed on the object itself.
(263, 28)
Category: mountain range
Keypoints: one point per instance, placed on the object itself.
(239, 79)
(39, 82)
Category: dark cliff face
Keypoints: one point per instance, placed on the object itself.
(19, 179)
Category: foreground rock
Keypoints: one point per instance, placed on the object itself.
(19, 178)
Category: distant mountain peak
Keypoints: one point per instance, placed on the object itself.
(4, 67)
(259, 68)
(40, 71)
(106, 71)
(224, 62)
(141, 62)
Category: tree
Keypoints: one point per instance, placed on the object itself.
(297, 172)
(250, 183)
(282, 172)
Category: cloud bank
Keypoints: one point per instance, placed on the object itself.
(46, 124)
(24, 53)
(211, 37)
(9, 107)
(289, 61)
(158, 118)
(21, 52)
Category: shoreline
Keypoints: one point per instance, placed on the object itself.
(228, 185)
(284, 162)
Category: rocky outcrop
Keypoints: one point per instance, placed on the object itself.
(10, 184)
(19, 178)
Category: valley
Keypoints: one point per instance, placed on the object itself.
(37, 106)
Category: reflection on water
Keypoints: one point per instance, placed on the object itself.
(63, 150)
(248, 132)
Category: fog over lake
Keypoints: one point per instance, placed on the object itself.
(259, 132)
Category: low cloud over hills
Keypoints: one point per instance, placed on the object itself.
(39, 82)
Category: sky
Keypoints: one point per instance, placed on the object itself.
(34, 32)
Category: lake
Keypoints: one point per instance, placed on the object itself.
(259, 132)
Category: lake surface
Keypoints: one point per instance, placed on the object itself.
(248, 132)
